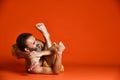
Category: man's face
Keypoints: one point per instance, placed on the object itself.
(32, 44)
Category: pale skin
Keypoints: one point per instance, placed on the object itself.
(49, 55)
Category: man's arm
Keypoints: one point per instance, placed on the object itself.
(41, 27)
(50, 51)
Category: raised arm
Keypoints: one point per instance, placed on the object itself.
(41, 27)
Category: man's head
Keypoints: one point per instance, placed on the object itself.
(26, 42)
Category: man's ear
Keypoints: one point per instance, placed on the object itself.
(27, 50)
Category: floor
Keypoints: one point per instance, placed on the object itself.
(75, 72)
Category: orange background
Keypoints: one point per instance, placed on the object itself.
(90, 29)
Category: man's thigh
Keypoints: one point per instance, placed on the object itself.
(50, 59)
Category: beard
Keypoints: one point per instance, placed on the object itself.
(38, 49)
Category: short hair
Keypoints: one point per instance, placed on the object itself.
(21, 40)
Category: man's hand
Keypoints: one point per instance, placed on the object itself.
(38, 26)
(33, 66)
(41, 27)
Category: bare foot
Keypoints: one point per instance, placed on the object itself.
(53, 47)
(61, 47)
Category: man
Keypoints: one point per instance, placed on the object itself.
(40, 57)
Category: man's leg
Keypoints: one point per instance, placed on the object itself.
(58, 61)
(39, 69)
(57, 65)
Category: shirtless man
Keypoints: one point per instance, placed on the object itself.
(41, 57)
